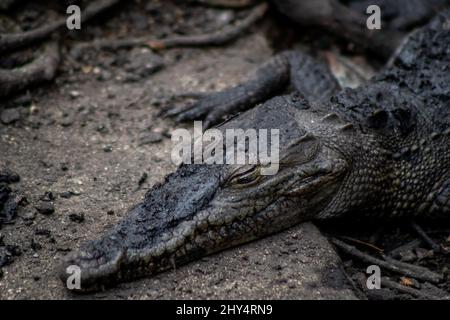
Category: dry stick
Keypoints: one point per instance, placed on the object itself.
(425, 237)
(216, 38)
(393, 265)
(364, 243)
(385, 282)
(14, 41)
(417, 269)
(408, 246)
(41, 69)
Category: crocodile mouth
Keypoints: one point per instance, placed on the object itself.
(178, 223)
(97, 268)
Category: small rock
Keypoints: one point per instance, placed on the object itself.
(102, 129)
(104, 75)
(150, 138)
(143, 62)
(66, 194)
(8, 205)
(14, 250)
(8, 176)
(29, 215)
(278, 267)
(5, 257)
(142, 179)
(48, 196)
(9, 116)
(74, 94)
(35, 245)
(76, 217)
(292, 284)
(67, 121)
(45, 208)
(43, 232)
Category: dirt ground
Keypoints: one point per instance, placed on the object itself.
(86, 143)
(91, 143)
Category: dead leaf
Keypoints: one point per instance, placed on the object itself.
(406, 281)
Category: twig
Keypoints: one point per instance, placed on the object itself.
(41, 69)
(364, 243)
(425, 237)
(427, 274)
(385, 282)
(408, 246)
(393, 265)
(211, 39)
(12, 41)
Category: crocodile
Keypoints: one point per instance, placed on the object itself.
(378, 151)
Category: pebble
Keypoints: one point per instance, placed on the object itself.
(67, 121)
(43, 232)
(7, 253)
(35, 245)
(150, 138)
(29, 215)
(74, 94)
(9, 116)
(48, 196)
(66, 194)
(8, 176)
(102, 129)
(76, 217)
(142, 179)
(143, 62)
(45, 208)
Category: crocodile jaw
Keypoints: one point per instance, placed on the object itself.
(159, 234)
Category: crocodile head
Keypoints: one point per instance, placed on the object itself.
(201, 208)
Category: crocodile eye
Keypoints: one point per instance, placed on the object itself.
(245, 178)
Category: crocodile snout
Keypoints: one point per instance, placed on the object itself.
(94, 266)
